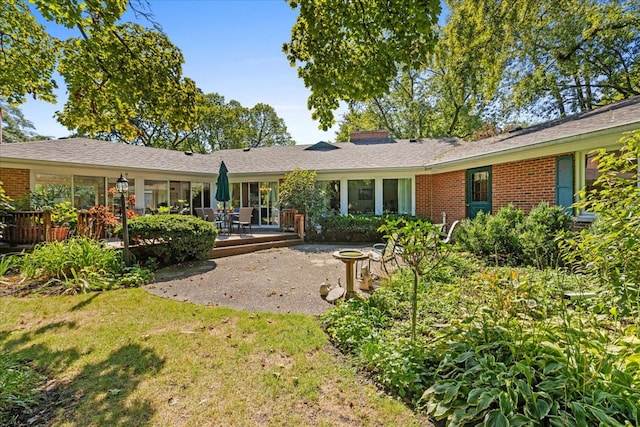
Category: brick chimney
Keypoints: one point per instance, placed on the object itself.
(369, 135)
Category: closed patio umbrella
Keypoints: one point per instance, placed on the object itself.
(222, 192)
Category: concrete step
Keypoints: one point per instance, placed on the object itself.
(229, 250)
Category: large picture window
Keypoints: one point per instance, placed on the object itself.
(52, 189)
(156, 195)
(396, 196)
(88, 191)
(361, 194)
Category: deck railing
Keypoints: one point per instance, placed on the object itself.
(27, 227)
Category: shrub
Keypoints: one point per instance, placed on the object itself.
(539, 235)
(509, 237)
(172, 239)
(355, 228)
(495, 236)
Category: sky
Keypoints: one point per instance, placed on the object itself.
(231, 47)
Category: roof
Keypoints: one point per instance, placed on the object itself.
(381, 154)
(91, 152)
(620, 114)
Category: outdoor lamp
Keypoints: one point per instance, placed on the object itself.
(122, 186)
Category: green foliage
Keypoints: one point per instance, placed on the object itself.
(509, 237)
(349, 53)
(114, 71)
(524, 373)
(19, 388)
(422, 250)
(493, 235)
(172, 238)
(555, 58)
(499, 346)
(64, 214)
(6, 206)
(79, 265)
(540, 232)
(351, 228)
(609, 251)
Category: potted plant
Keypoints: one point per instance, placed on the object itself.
(63, 217)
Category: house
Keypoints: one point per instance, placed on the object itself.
(371, 174)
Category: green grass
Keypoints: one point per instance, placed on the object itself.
(126, 357)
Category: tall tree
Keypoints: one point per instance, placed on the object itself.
(350, 50)
(265, 128)
(114, 72)
(549, 57)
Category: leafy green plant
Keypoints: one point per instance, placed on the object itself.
(7, 263)
(540, 232)
(78, 264)
(171, 238)
(422, 250)
(63, 214)
(609, 250)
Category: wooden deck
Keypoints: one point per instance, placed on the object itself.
(235, 244)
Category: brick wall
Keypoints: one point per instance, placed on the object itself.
(15, 182)
(439, 193)
(524, 184)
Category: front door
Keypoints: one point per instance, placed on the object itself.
(478, 191)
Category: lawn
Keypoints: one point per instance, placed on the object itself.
(126, 357)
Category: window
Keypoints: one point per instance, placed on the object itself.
(52, 189)
(156, 194)
(396, 196)
(179, 196)
(480, 189)
(331, 190)
(361, 196)
(88, 191)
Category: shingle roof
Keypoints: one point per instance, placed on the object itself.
(100, 153)
(616, 115)
(359, 155)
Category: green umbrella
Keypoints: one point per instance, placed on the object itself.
(222, 192)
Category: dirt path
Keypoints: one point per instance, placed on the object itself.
(280, 280)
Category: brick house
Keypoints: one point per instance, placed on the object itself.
(371, 174)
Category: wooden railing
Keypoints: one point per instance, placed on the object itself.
(299, 225)
(27, 227)
(89, 226)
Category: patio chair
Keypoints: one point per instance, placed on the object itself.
(200, 213)
(244, 219)
(383, 257)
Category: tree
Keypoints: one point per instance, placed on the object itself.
(265, 128)
(15, 127)
(351, 50)
(114, 72)
(547, 57)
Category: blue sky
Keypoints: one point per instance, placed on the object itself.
(232, 47)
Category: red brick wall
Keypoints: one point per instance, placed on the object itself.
(524, 184)
(15, 182)
(439, 193)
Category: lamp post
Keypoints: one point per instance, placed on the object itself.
(122, 186)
